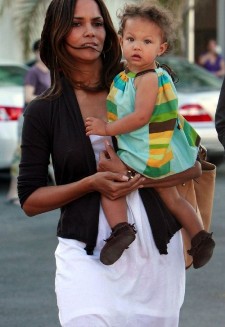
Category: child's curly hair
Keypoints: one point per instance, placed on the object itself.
(161, 16)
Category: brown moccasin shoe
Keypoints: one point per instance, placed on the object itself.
(202, 246)
(123, 234)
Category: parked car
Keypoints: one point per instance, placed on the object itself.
(11, 106)
(198, 93)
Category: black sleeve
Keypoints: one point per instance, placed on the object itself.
(35, 149)
(163, 224)
(220, 116)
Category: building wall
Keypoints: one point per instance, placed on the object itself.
(205, 24)
(10, 45)
(114, 6)
(221, 25)
(10, 42)
(209, 22)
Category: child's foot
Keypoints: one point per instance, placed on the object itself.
(122, 236)
(202, 246)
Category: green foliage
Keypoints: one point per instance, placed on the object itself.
(28, 15)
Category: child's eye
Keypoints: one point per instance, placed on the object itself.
(147, 41)
(130, 39)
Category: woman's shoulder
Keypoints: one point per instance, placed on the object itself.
(40, 106)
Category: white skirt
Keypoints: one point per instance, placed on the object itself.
(142, 289)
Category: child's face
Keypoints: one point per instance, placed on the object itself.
(142, 42)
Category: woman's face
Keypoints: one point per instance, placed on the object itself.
(86, 38)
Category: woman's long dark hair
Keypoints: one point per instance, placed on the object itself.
(58, 22)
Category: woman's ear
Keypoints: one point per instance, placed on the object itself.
(120, 40)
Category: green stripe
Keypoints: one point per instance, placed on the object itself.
(157, 172)
(191, 134)
(163, 107)
(158, 146)
(111, 107)
(163, 117)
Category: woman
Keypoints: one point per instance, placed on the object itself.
(37, 79)
(212, 60)
(145, 287)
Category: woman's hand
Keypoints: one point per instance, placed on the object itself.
(109, 161)
(115, 185)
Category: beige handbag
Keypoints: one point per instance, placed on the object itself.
(200, 194)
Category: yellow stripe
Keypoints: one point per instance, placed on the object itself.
(166, 134)
(157, 152)
(112, 94)
(165, 94)
(161, 138)
(111, 117)
(156, 163)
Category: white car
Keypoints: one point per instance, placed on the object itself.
(11, 107)
(198, 94)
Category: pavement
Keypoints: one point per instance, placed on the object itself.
(27, 269)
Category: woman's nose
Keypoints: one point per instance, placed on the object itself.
(89, 31)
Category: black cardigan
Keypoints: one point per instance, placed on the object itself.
(220, 115)
(56, 127)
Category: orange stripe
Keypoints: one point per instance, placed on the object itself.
(155, 163)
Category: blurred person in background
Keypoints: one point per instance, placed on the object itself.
(37, 80)
(212, 59)
(220, 116)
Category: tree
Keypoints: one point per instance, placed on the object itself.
(29, 16)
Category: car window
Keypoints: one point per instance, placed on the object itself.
(192, 78)
(12, 75)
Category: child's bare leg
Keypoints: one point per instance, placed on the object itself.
(181, 209)
(115, 210)
(202, 244)
(123, 234)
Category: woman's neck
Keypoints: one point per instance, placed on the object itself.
(88, 74)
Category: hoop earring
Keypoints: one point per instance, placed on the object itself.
(103, 55)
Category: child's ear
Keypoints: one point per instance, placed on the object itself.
(163, 48)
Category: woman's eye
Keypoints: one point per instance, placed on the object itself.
(76, 24)
(99, 24)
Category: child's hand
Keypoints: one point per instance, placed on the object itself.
(95, 126)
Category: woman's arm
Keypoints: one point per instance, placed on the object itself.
(109, 161)
(146, 93)
(49, 198)
(29, 93)
(221, 72)
(203, 58)
(176, 179)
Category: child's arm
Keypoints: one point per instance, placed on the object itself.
(146, 94)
